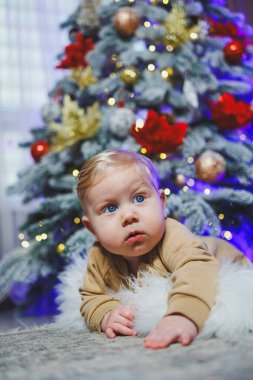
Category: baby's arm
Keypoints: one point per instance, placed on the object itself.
(118, 321)
(102, 311)
(171, 329)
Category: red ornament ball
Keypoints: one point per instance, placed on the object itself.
(39, 149)
(233, 52)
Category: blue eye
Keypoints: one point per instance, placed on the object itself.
(110, 209)
(139, 199)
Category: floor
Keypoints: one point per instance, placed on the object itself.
(13, 319)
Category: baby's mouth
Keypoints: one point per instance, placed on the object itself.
(134, 237)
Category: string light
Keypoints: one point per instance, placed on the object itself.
(221, 216)
(147, 24)
(75, 172)
(151, 67)
(44, 236)
(169, 48)
(227, 235)
(165, 2)
(190, 182)
(111, 101)
(143, 150)
(25, 244)
(190, 160)
(194, 36)
(152, 48)
(77, 220)
(185, 188)
(21, 236)
(139, 124)
(167, 191)
(163, 156)
(207, 191)
(38, 238)
(242, 137)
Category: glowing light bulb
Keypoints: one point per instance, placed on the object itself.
(190, 160)
(25, 244)
(227, 235)
(111, 101)
(152, 48)
(77, 220)
(143, 150)
(163, 156)
(21, 236)
(75, 172)
(221, 216)
(151, 67)
(147, 24)
(167, 191)
(207, 191)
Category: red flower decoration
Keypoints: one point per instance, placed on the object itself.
(158, 135)
(76, 52)
(228, 113)
(218, 28)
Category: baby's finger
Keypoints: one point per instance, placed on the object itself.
(185, 339)
(123, 321)
(127, 312)
(110, 333)
(123, 330)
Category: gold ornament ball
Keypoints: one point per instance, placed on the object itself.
(210, 167)
(129, 75)
(126, 21)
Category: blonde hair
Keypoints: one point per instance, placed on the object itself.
(93, 169)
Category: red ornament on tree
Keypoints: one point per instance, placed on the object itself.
(76, 52)
(219, 28)
(233, 52)
(159, 134)
(228, 113)
(39, 149)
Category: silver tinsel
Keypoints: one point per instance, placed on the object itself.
(87, 16)
(121, 121)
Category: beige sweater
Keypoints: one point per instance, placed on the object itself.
(194, 271)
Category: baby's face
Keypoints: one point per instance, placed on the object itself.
(125, 212)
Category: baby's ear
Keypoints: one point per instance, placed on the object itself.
(163, 200)
(87, 224)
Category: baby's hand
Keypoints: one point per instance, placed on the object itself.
(171, 329)
(118, 321)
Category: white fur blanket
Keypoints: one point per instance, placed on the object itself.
(230, 318)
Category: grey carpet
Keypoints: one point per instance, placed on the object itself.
(46, 353)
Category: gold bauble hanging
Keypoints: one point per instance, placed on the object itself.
(129, 75)
(177, 32)
(210, 167)
(83, 76)
(77, 124)
(126, 21)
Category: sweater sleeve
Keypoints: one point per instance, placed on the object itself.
(194, 274)
(95, 302)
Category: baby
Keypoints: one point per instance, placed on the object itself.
(125, 211)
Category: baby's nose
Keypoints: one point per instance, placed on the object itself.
(129, 216)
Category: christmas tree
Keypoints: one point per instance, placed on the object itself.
(171, 79)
